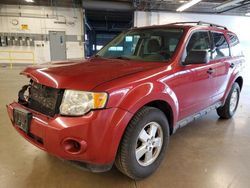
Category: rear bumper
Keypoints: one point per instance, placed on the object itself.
(99, 133)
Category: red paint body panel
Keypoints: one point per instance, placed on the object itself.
(130, 85)
(99, 129)
(84, 75)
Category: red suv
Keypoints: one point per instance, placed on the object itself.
(120, 106)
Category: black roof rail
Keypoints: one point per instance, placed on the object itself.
(201, 23)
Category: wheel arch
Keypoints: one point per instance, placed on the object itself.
(239, 80)
(166, 109)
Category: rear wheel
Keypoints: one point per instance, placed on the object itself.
(144, 143)
(231, 104)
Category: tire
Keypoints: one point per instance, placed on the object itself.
(128, 161)
(228, 109)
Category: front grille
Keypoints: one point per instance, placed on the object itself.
(44, 99)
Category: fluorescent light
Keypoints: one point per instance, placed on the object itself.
(247, 14)
(227, 4)
(29, 1)
(187, 5)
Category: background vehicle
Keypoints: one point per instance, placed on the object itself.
(122, 105)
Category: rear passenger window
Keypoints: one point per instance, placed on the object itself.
(221, 48)
(235, 45)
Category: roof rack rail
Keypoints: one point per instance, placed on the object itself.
(201, 23)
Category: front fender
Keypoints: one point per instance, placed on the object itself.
(133, 98)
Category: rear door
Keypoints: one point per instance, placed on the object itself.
(237, 57)
(222, 64)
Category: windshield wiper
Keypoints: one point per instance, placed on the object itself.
(96, 55)
(121, 57)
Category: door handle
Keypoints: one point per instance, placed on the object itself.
(210, 71)
(232, 65)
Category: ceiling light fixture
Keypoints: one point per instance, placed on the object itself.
(227, 4)
(187, 5)
(29, 1)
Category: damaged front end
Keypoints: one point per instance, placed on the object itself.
(41, 98)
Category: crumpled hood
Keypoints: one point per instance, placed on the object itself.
(84, 75)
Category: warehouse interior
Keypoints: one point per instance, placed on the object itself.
(209, 152)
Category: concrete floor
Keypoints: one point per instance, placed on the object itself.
(208, 153)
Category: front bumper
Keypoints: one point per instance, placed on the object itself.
(99, 132)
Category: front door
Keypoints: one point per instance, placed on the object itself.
(57, 45)
(194, 88)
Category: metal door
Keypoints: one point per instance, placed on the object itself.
(194, 86)
(57, 45)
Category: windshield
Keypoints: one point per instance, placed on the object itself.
(143, 44)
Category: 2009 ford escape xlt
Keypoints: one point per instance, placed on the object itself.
(121, 105)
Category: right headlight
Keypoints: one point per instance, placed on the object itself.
(76, 103)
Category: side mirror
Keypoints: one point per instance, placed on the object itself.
(197, 57)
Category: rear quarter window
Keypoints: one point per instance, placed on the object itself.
(235, 45)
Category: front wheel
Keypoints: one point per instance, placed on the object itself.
(231, 104)
(144, 143)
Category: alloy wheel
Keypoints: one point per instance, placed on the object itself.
(149, 144)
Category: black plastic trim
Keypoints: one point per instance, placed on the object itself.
(196, 116)
(91, 167)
